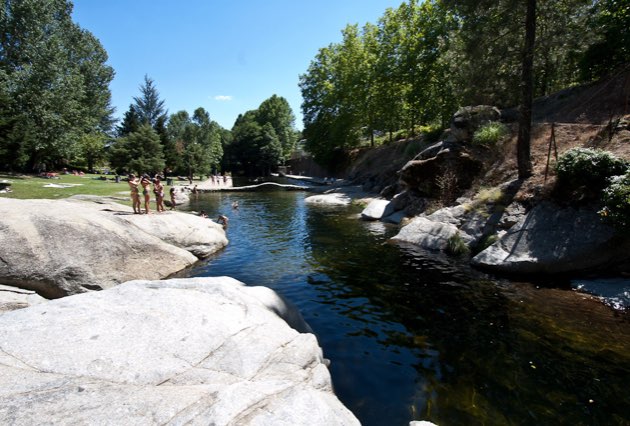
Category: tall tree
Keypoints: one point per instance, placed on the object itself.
(196, 142)
(139, 152)
(255, 149)
(56, 79)
(148, 106)
(277, 112)
(527, 85)
(611, 22)
(130, 122)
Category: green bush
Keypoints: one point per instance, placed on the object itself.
(589, 168)
(490, 134)
(432, 132)
(616, 198)
(456, 246)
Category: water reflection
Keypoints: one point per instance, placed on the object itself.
(413, 334)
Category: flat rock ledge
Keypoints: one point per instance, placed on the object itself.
(63, 247)
(180, 351)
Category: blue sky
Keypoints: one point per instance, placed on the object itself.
(226, 56)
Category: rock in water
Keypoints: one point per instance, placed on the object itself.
(551, 239)
(182, 351)
(63, 247)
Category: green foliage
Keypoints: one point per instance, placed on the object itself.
(424, 58)
(588, 168)
(261, 139)
(616, 198)
(431, 132)
(148, 107)
(456, 245)
(193, 145)
(139, 152)
(55, 77)
(490, 134)
(277, 112)
(611, 22)
(91, 150)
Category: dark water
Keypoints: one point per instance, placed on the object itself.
(415, 335)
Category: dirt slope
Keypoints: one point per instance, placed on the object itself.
(595, 115)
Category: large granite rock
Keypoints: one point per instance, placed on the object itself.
(62, 247)
(377, 209)
(190, 351)
(452, 167)
(12, 298)
(551, 239)
(333, 199)
(426, 233)
(468, 119)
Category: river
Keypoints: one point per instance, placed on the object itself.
(417, 335)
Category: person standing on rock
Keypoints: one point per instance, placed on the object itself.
(146, 183)
(158, 190)
(135, 196)
(172, 194)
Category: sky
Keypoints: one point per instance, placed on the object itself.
(226, 56)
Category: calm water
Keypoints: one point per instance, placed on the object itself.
(414, 335)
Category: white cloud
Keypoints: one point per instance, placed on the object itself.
(223, 98)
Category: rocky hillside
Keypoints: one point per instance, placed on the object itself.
(463, 196)
(595, 116)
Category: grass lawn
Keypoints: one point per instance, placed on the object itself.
(29, 187)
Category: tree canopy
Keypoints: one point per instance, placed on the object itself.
(54, 82)
(423, 60)
(195, 143)
(262, 139)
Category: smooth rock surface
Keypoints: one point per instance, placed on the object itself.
(551, 239)
(426, 233)
(377, 209)
(63, 247)
(188, 351)
(12, 298)
(334, 199)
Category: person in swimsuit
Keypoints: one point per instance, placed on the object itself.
(146, 183)
(135, 196)
(172, 193)
(223, 221)
(158, 190)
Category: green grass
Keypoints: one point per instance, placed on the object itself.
(30, 187)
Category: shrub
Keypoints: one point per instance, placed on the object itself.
(616, 198)
(589, 168)
(456, 245)
(431, 132)
(490, 134)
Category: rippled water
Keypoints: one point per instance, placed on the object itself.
(415, 335)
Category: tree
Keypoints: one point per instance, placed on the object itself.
(255, 148)
(139, 152)
(56, 78)
(149, 107)
(277, 112)
(130, 122)
(611, 21)
(196, 142)
(527, 84)
(92, 149)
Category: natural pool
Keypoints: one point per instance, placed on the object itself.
(417, 335)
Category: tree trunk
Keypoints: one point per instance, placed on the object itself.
(527, 84)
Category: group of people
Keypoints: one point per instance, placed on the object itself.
(158, 189)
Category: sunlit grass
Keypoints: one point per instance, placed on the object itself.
(33, 187)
